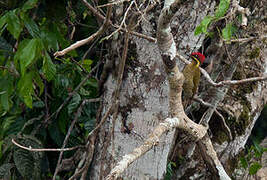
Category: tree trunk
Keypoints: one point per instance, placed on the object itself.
(143, 95)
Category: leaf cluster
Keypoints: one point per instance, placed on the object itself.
(227, 32)
(33, 85)
(251, 160)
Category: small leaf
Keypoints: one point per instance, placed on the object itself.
(49, 68)
(222, 8)
(203, 26)
(29, 5)
(25, 87)
(244, 162)
(254, 168)
(13, 24)
(87, 64)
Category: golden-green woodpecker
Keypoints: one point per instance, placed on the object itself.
(192, 76)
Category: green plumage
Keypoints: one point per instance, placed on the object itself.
(192, 76)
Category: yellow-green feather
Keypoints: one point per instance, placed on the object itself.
(192, 76)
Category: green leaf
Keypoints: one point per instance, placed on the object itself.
(49, 68)
(7, 123)
(222, 8)
(28, 52)
(13, 24)
(32, 27)
(244, 162)
(4, 101)
(39, 82)
(29, 4)
(258, 150)
(87, 64)
(203, 26)
(25, 87)
(254, 168)
(6, 90)
(228, 31)
(3, 21)
(74, 103)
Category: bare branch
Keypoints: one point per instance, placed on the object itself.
(91, 8)
(113, 3)
(218, 113)
(151, 141)
(224, 124)
(223, 83)
(43, 149)
(100, 31)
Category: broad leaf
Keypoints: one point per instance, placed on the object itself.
(228, 31)
(32, 27)
(13, 24)
(28, 52)
(222, 8)
(29, 4)
(25, 87)
(203, 26)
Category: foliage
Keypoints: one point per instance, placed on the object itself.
(34, 84)
(169, 170)
(252, 159)
(227, 32)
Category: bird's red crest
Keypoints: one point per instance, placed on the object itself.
(199, 56)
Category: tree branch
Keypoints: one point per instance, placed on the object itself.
(44, 149)
(151, 141)
(226, 82)
(100, 31)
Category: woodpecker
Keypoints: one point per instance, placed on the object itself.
(192, 76)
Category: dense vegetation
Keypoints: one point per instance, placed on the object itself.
(34, 84)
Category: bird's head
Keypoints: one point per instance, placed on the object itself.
(198, 57)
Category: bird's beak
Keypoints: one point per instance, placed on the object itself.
(197, 61)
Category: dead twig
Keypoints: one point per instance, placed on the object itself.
(44, 149)
(113, 3)
(100, 31)
(224, 124)
(100, 16)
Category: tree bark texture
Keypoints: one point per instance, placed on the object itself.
(143, 98)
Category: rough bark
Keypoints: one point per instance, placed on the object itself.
(143, 99)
